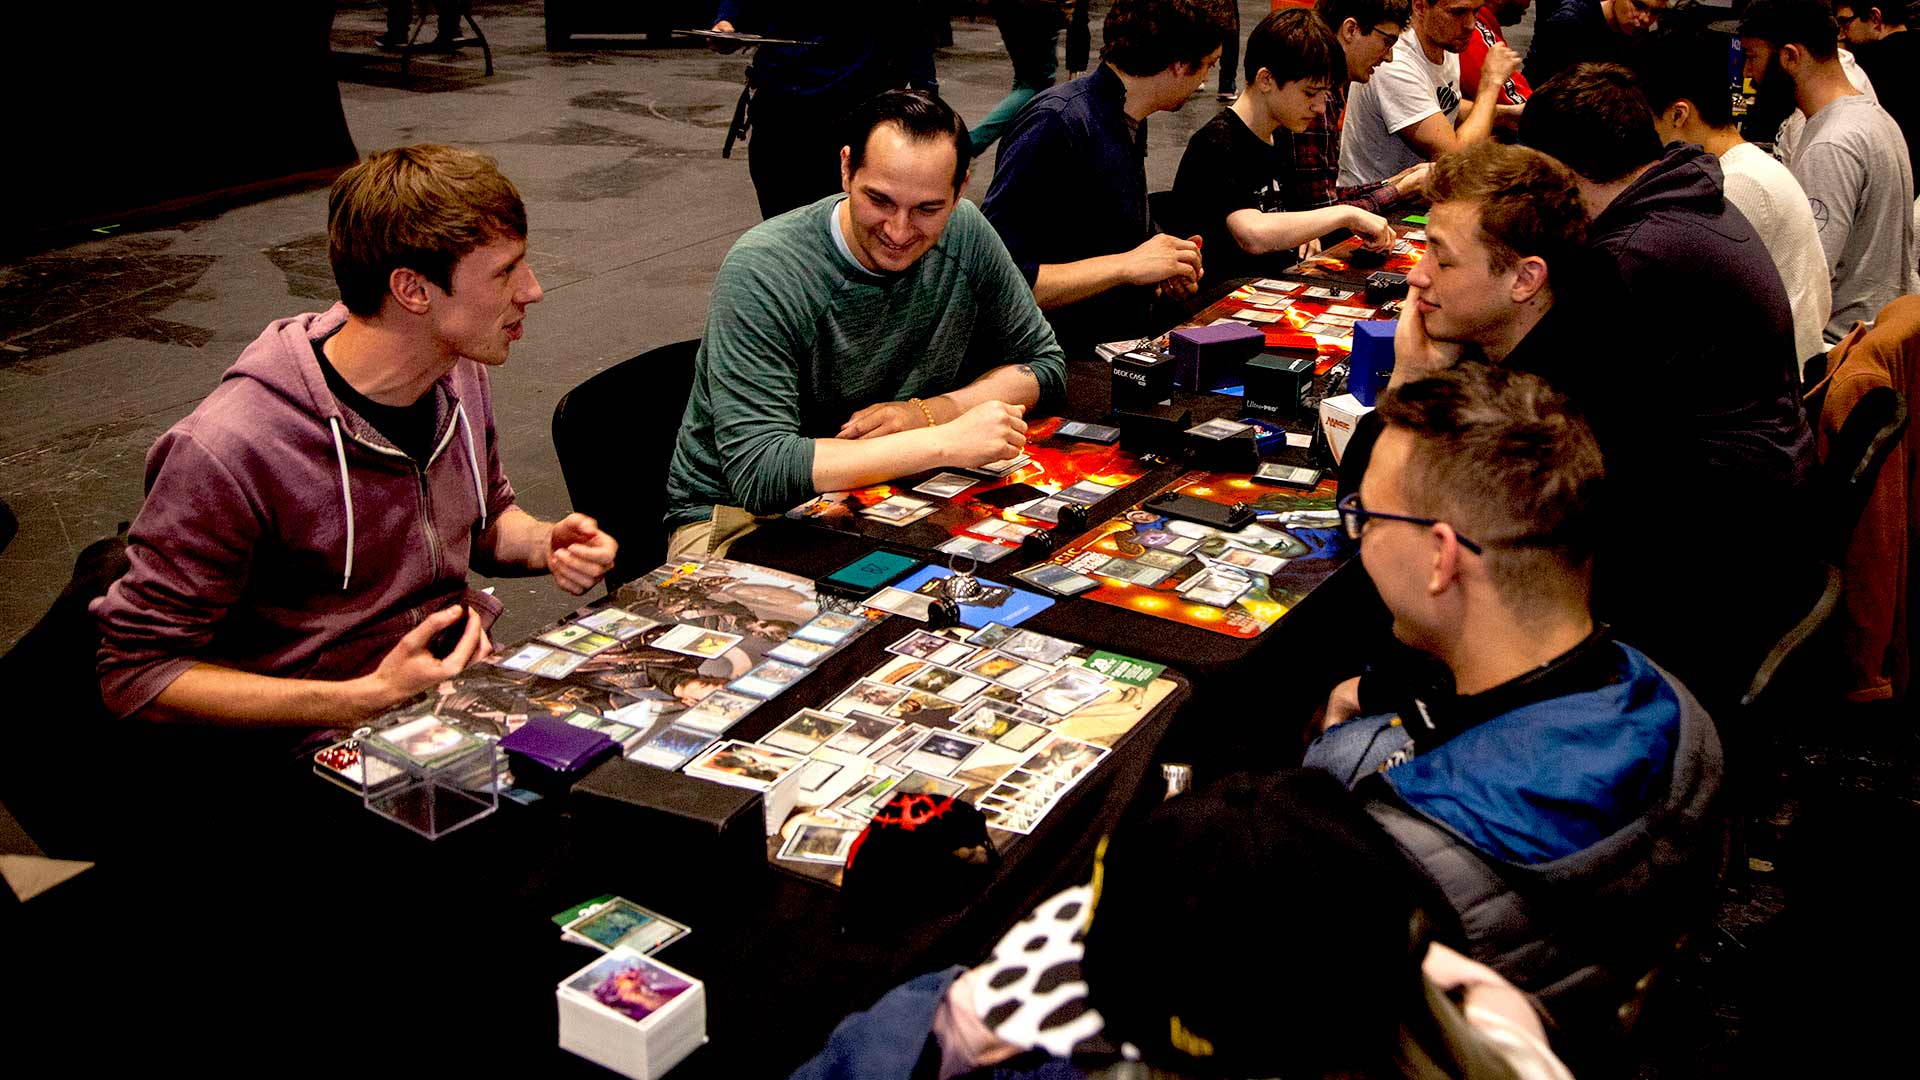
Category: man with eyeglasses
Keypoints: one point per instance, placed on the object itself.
(1558, 787)
(1568, 32)
(1412, 110)
(1367, 31)
(1889, 55)
(1229, 179)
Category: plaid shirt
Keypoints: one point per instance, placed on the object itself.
(1315, 154)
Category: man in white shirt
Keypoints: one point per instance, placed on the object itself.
(1687, 88)
(1411, 110)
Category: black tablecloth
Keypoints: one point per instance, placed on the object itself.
(267, 918)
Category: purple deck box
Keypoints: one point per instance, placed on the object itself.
(1209, 357)
(548, 753)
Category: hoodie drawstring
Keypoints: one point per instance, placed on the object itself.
(473, 464)
(346, 496)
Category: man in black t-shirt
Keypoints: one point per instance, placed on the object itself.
(1230, 179)
(1879, 40)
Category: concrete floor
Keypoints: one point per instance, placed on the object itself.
(106, 343)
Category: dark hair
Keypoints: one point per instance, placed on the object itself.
(920, 114)
(1146, 37)
(1687, 65)
(1503, 457)
(1366, 14)
(1595, 120)
(1892, 13)
(419, 207)
(1806, 23)
(1294, 44)
(1282, 879)
(1529, 203)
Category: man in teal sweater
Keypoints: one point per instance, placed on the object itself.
(865, 337)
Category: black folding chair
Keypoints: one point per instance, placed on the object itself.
(626, 492)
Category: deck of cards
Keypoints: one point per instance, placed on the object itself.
(632, 1014)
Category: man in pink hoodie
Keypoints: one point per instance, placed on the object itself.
(301, 559)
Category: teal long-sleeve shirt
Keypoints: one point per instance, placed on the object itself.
(799, 338)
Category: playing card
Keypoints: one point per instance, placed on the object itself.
(696, 641)
(1067, 691)
(947, 484)
(671, 748)
(621, 922)
(805, 731)
(819, 843)
(799, 651)
(1055, 578)
(984, 551)
(1246, 559)
(1218, 429)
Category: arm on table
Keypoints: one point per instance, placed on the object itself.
(1014, 384)
(209, 693)
(990, 431)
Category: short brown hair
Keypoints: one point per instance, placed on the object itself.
(1146, 37)
(1508, 461)
(1529, 203)
(418, 207)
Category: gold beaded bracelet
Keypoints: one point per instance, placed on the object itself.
(924, 411)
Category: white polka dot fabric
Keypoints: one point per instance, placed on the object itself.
(1031, 992)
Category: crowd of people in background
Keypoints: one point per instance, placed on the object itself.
(1587, 199)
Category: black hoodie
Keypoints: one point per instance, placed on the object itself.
(1707, 447)
(1712, 331)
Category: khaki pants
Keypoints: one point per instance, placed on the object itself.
(711, 538)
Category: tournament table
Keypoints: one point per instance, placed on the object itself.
(781, 970)
(263, 916)
(1270, 682)
(274, 918)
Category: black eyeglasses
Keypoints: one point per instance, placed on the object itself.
(1353, 518)
(1393, 37)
